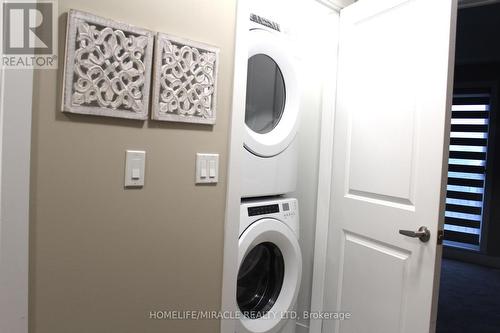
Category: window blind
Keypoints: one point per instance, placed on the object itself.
(467, 168)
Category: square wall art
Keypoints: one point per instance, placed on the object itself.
(184, 80)
(108, 65)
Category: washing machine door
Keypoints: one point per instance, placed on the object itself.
(270, 270)
(272, 95)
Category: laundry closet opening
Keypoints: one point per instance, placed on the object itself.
(276, 137)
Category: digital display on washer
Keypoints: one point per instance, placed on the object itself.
(262, 210)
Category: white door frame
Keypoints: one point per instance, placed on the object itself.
(323, 196)
(233, 194)
(16, 90)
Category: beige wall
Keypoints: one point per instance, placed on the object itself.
(103, 257)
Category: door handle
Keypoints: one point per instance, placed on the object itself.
(423, 234)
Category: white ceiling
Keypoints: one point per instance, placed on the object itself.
(336, 4)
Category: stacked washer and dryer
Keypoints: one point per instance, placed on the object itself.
(270, 260)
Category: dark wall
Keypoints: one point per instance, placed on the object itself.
(478, 60)
(478, 38)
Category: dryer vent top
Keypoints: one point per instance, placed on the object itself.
(265, 22)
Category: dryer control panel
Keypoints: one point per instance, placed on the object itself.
(265, 22)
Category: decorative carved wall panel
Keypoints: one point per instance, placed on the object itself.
(107, 69)
(184, 80)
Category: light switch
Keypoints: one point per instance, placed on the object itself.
(203, 168)
(135, 162)
(207, 168)
(211, 169)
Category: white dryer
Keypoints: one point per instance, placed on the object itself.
(270, 266)
(272, 112)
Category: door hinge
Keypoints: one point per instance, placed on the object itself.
(440, 237)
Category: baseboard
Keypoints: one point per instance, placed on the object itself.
(301, 328)
(471, 257)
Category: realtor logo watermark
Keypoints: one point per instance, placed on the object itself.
(29, 38)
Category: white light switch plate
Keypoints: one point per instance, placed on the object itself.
(135, 163)
(207, 168)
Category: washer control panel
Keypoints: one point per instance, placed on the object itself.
(289, 209)
(284, 207)
(263, 210)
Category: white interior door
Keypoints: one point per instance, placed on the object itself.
(389, 163)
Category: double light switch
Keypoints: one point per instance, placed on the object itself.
(207, 168)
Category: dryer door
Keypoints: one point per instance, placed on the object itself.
(270, 270)
(272, 96)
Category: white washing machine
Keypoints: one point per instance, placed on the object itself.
(272, 112)
(270, 266)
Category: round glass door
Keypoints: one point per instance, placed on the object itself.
(265, 99)
(260, 279)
